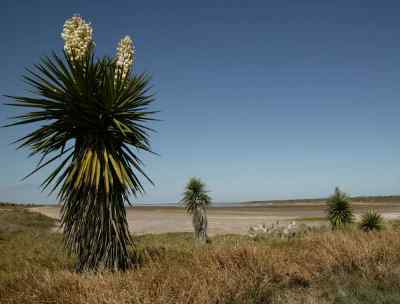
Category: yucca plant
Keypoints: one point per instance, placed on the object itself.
(371, 221)
(91, 113)
(196, 200)
(339, 211)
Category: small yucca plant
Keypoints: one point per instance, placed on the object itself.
(339, 211)
(371, 220)
(196, 199)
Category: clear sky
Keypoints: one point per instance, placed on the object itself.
(260, 99)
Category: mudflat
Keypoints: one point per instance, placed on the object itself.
(236, 220)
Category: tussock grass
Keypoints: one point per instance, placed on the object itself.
(322, 267)
(19, 219)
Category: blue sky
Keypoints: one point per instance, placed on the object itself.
(261, 99)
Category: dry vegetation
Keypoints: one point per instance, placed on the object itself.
(322, 267)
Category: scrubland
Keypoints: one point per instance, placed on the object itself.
(347, 266)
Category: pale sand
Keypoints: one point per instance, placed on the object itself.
(228, 220)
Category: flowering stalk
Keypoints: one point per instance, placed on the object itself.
(78, 37)
(125, 56)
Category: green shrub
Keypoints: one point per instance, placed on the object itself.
(339, 211)
(371, 220)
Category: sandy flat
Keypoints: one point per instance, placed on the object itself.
(146, 219)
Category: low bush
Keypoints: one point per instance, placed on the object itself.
(371, 221)
(339, 211)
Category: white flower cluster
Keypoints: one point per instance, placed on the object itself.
(78, 37)
(125, 56)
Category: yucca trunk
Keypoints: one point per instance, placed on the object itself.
(96, 230)
(93, 217)
(200, 224)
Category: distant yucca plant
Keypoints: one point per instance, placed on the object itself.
(339, 211)
(196, 199)
(371, 220)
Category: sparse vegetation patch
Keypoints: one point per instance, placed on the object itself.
(344, 266)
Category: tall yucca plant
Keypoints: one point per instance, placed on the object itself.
(339, 210)
(91, 114)
(196, 200)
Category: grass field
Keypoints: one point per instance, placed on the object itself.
(322, 267)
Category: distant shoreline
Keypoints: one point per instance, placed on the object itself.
(256, 203)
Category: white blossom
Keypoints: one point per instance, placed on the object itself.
(78, 37)
(125, 56)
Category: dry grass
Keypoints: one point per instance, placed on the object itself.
(340, 267)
